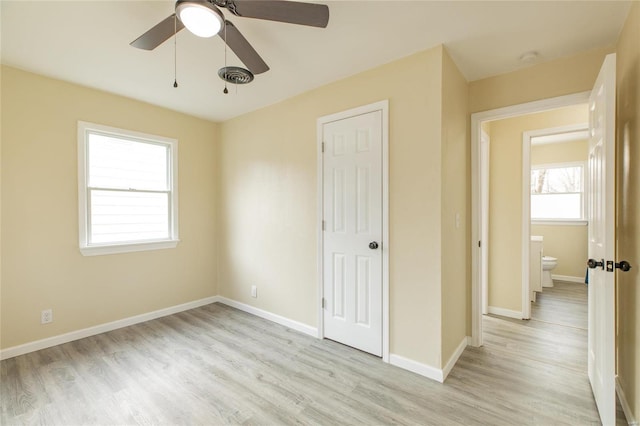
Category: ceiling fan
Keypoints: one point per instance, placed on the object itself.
(204, 19)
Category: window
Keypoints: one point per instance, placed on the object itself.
(557, 192)
(127, 190)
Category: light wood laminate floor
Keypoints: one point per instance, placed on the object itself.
(565, 303)
(216, 365)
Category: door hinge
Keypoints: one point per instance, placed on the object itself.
(324, 225)
(323, 304)
(479, 243)
(322, 146)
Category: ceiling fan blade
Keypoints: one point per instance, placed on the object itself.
(311, 14)
(243, 50)
(158, 34)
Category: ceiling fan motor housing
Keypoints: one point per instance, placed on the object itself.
(227, 4)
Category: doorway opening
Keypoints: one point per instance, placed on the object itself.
(514, 304)
(553, 165)
(557, 162)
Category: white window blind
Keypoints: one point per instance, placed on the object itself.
(127, 188)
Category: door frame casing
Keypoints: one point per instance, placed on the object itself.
(485, 160)
(477, 215)
(382, 106)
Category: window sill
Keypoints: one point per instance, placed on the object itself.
(561, 222)
(97, 250)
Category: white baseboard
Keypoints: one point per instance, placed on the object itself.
(625, 404)
(417, 367)
(454, 357)
(294, 325)
(102, 328)
(568, 278)
(505, 312)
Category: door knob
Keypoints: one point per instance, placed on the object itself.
(373, 245)
(593, 264)
(624, 266)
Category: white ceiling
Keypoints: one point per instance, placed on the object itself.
(87, 42)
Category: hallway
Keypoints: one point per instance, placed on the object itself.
(539, 366)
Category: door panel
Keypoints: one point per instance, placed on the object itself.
(363, 290)
(362, 201)
(601, 346)
(352, 210)
(339, 285)
(339, 201)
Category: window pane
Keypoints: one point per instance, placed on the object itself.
(118, 216)
(556, 206)
(556, 180)
(125, 164)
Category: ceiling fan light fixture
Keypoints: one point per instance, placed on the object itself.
(200, 17)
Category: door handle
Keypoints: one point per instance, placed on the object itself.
(373, 245)
(593, 264)
(624, 266)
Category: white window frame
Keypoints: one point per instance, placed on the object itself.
(93, 249)
(583, 207)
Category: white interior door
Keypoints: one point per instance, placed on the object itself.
(352, 237)
(601, 347)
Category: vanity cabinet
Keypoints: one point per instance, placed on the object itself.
(535, 268)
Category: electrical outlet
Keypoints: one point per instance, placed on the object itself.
(46, 316)
(254, 291)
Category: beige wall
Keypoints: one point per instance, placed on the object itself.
(561, 77)
(564, 152)
(566, 242)
(628, 208)
(456, 237)
(268, 205)
(41, 264)
(505, 200)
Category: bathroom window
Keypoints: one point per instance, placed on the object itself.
(127, 190)
(557, 192)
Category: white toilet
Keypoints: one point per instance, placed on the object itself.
(548, 264)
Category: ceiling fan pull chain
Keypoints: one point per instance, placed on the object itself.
(225, 91)
(175, 51)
